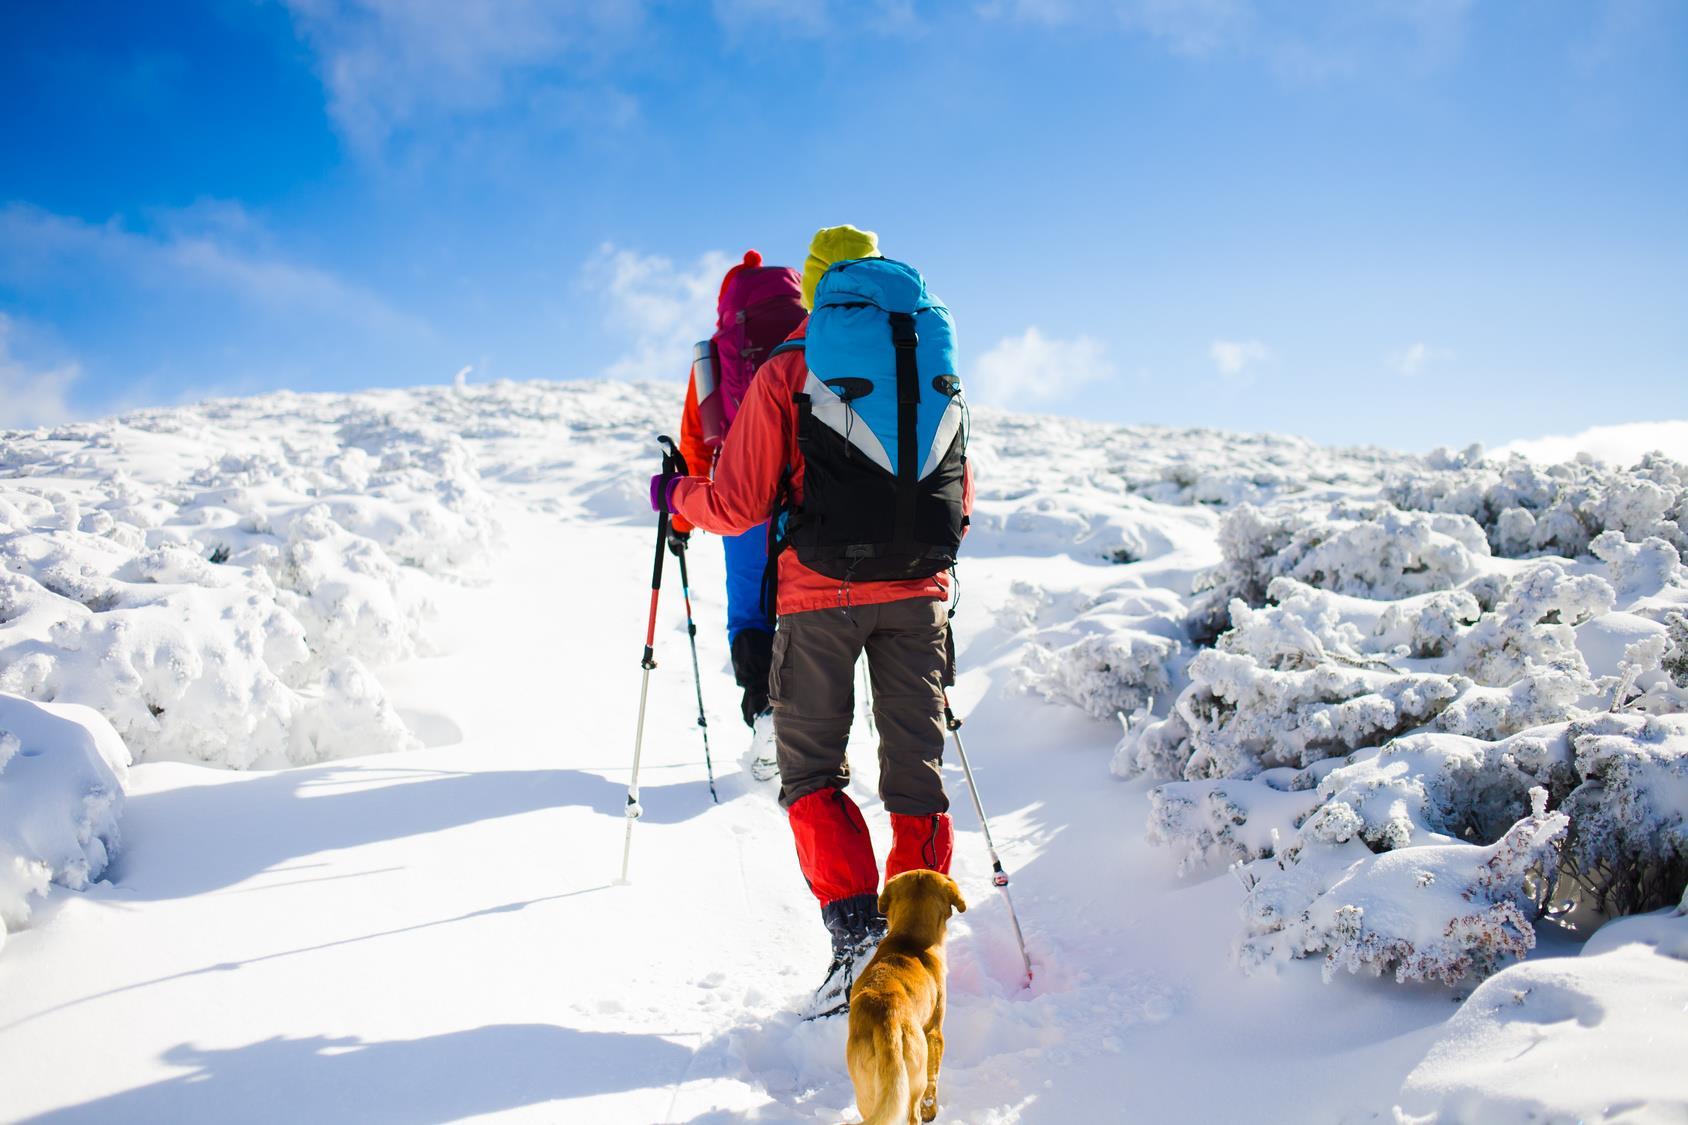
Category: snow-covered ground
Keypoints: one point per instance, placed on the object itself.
(410, 621)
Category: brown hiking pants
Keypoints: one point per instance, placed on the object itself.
(812, 688)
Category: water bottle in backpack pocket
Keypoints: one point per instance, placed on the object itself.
(710, 411)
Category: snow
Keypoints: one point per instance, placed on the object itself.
(62, 770)
(218, 588)
(1591, 1037)
(372, 830)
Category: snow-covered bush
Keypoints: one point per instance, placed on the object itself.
(1438, 788)
(1321, 675)
(1107, 654)
(216, 580)
(1356, 859)
(1212, 824)
(1244, 717)
(1405, 741)
(1629, 838)
(1372, 551)
(1530, 509)
(1104, 674)
(1435, 912)
(62, 771)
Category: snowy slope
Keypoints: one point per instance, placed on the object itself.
(416, 921)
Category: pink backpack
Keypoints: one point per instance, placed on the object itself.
(759, 307)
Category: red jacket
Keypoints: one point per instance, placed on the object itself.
(760, 444)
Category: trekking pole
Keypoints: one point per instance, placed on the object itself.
(867, 698)
(697, 676)
(999, 878)
(633, 809)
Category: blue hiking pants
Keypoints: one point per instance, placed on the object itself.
(747, 557)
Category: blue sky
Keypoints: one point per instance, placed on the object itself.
(1404, 222)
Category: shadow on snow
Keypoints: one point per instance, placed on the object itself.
(436, 1078)
(200, 838)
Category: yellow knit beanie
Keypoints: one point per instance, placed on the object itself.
(834, 244)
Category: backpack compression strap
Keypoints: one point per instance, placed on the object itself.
(904, 339)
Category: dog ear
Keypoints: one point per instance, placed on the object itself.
(955, 897)
(885, 900)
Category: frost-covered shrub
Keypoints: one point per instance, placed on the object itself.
(1321, 674)
(1355, 859)
(1532, 626)
(1103, 674)
(1151, 748)
(1529, 509)
(215, 580)
(1440, 788)
(62, 771)
(1674, 661)
(1169, 467)
(1400, 735)
(1439, 912)
(1107, 653)
(1244, 717)
(1371, 551)
(1629, 839)
(1212, 824)
(1638, 570)
(1407, 778)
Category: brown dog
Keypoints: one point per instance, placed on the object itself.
(897, 1006)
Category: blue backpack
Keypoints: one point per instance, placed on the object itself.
(882, 427)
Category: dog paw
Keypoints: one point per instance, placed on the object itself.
(929, 1107)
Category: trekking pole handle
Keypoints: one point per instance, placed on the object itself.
(673, 461)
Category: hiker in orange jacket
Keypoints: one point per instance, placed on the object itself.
(756, 309)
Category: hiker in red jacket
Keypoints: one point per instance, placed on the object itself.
(863, 465)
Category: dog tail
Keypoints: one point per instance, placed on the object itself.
(898, 1055)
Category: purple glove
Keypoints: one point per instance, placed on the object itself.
(662, 492)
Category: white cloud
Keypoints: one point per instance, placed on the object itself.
(660, 308)
(1621, 444)
(1413, 359)
(1032, 368)
(1319, 41)
(28, 396)
(1190, 27)
(1236, 358)
(199, 246)
(390, 64)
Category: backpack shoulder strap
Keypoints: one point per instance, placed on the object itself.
(789, 346)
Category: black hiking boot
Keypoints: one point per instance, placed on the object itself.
(856, 927)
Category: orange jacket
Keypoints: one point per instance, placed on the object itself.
(761, 443)
(700, 459)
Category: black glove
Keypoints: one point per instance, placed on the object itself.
(677, 541)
